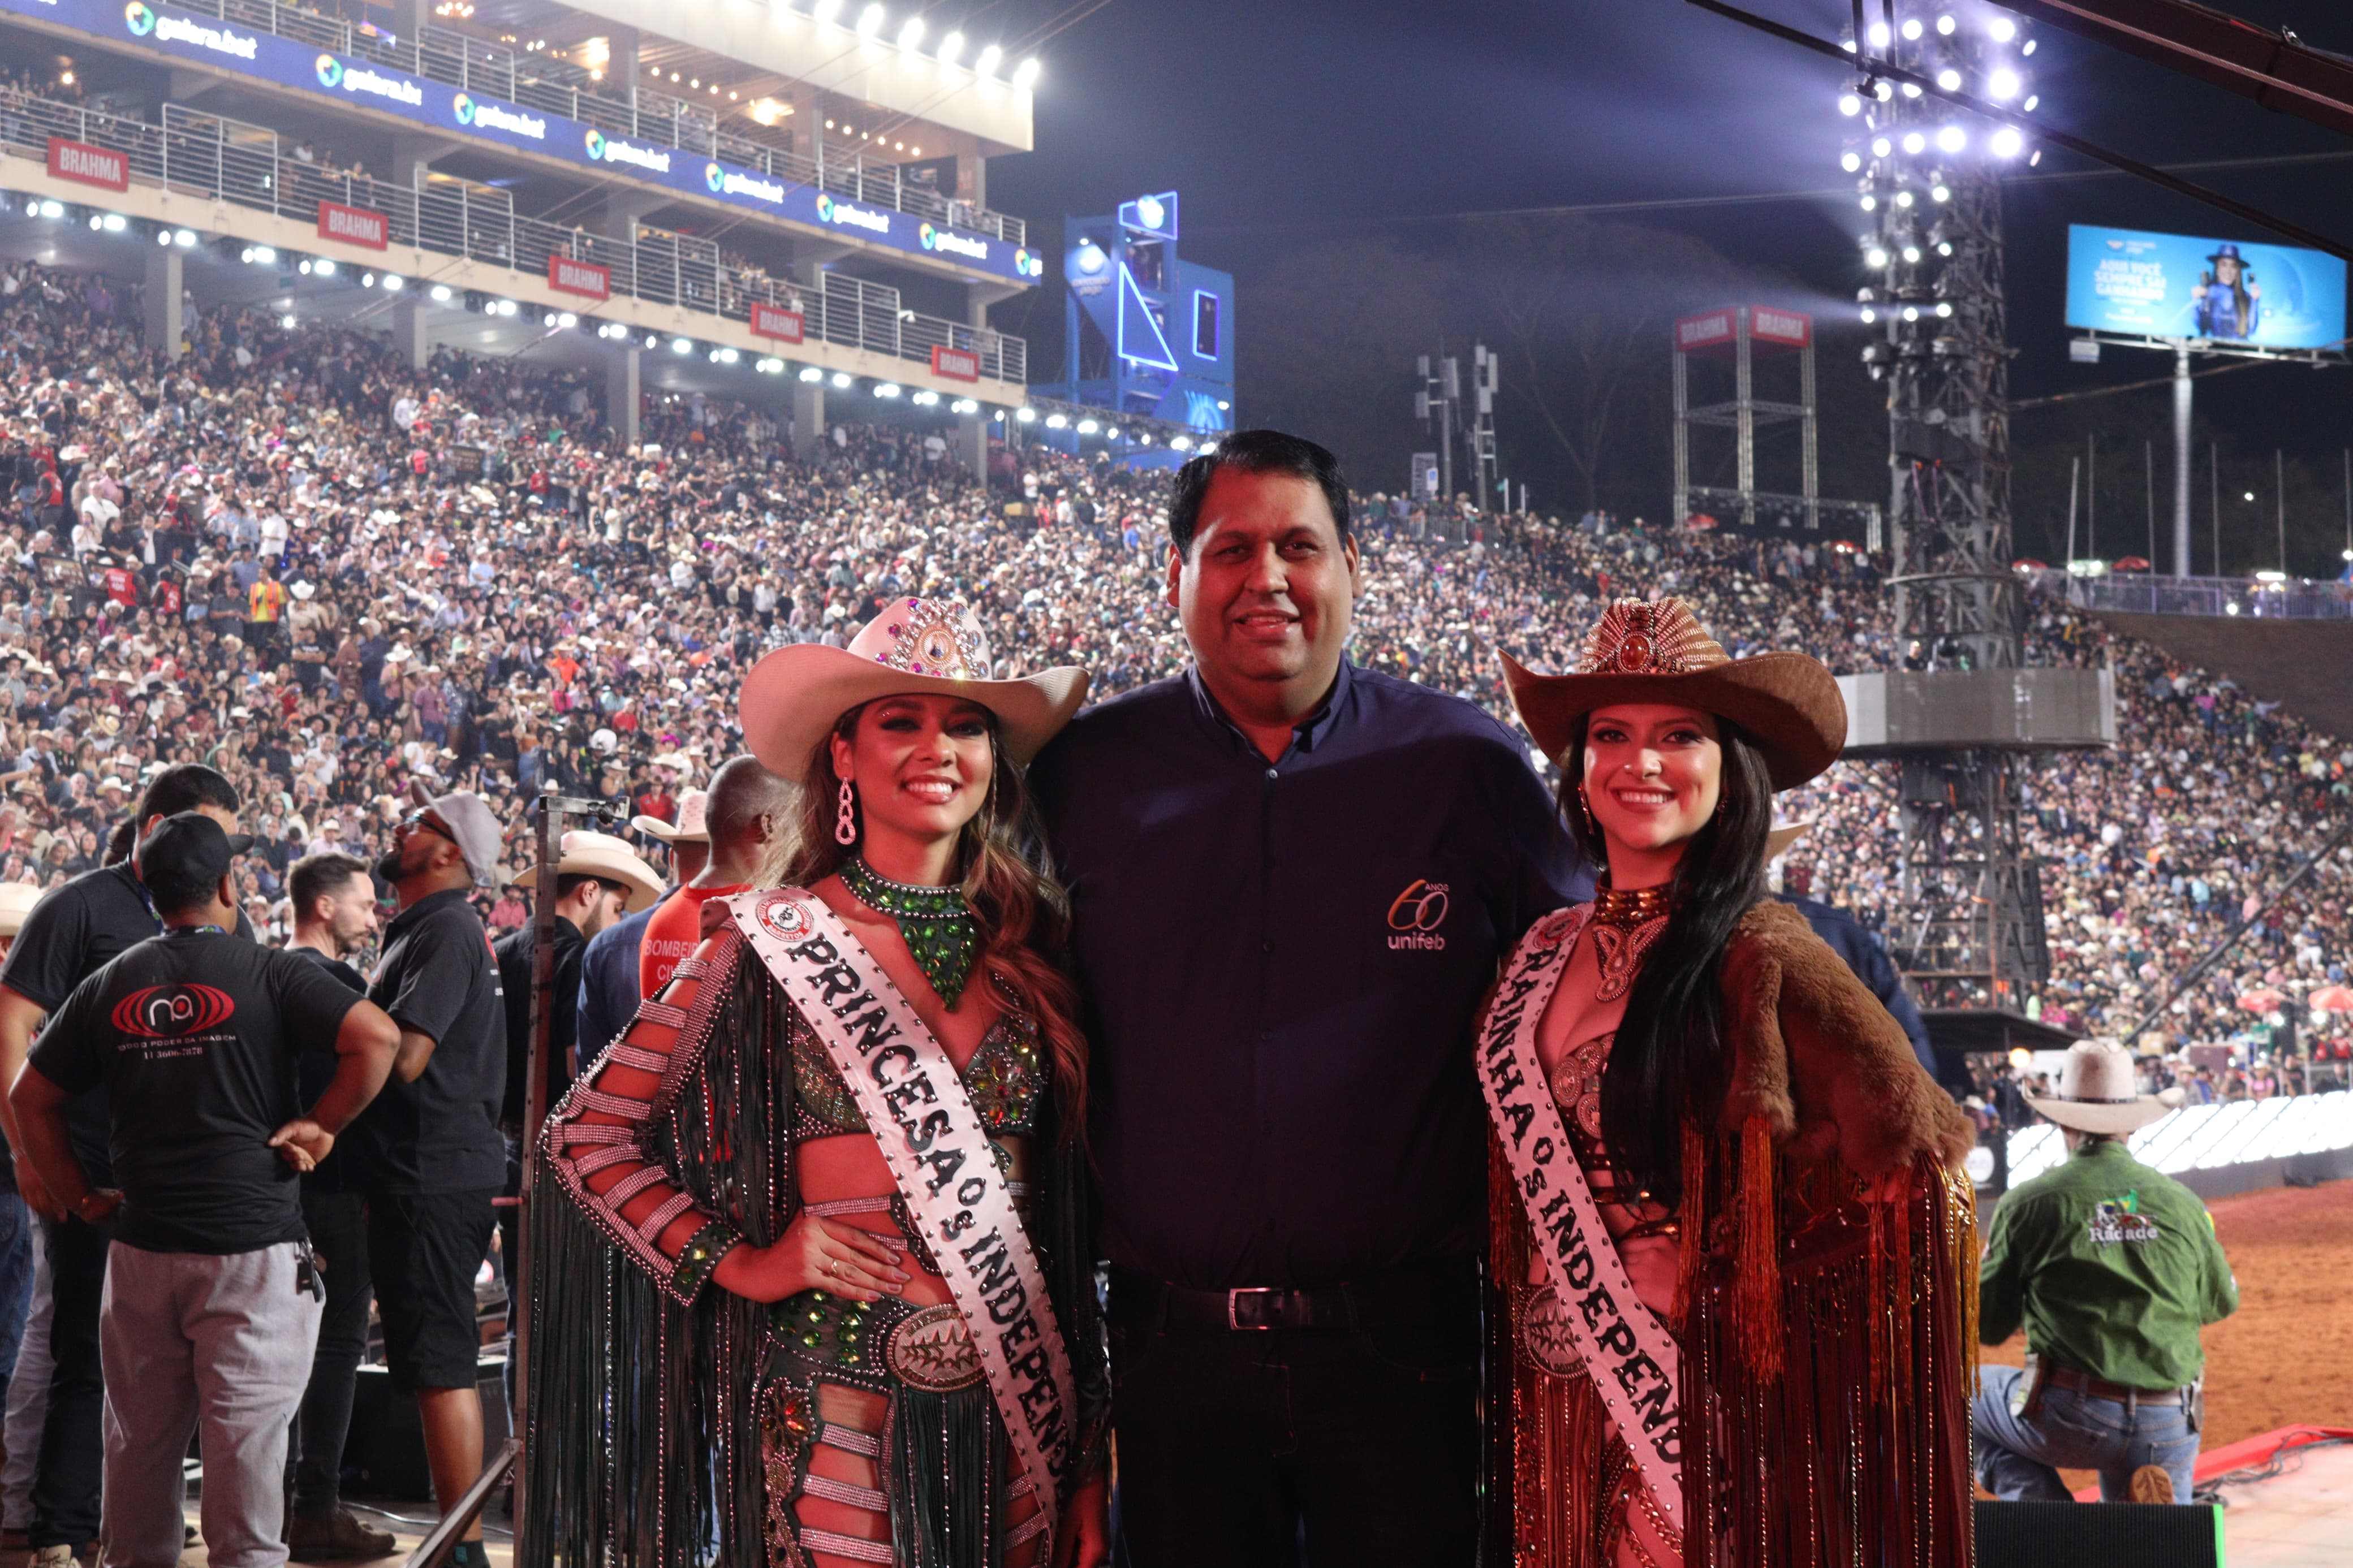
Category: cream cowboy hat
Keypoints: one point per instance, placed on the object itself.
(589, 854)
(2098, 1093)
(693, 821)
(1656, 651)
(1783, 835)
(793, 698)
(16, 902)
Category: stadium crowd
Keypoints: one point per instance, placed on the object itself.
(291, 556)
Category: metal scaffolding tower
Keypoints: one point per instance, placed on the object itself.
(1970, 931)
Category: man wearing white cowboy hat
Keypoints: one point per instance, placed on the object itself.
(609, 965)
(2112, 1267)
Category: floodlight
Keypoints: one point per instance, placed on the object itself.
(2032, 98)
(1911, 312)
(1869, 315)
(1914, 143)
(1950, 79)
(441, 293)
(1911, 89)
(1946, 24)
(1180, 443)
(566, 320)
(681, 345)
(1056, 421)
(910, 36)
(1911, 253)
(287, 322)
(1940, 191)
(1882, 91)
(887, 389)
(2007, 141)
(990, 57)
(1878, 34)
(1026, 413)
(1874, 256)
(2002, 82)
(183, 237)
(870, 21)
(1869, 203)
(1945, 307)
(1951, 139)
(1850, 104)
(1912, 28)
(811, 373)
(1881, 147)
(2027, 47)
(841, 379)
(1903, 198)
(1149, 210)
(825, 10)
(324, 268)
(2003, 29)
(1025, 75)
(950, 48)
(394, 282)
(1851, 161)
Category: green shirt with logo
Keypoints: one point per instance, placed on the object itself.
(2112, 1266)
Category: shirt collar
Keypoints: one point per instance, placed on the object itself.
(423, 907)
(1304, 736)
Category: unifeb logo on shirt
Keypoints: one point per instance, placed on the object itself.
(169, 1012)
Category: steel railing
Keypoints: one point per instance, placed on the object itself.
(556, 87)
(212, 157)
(2298, 600)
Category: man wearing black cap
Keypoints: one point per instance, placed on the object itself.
(74, 933)
(212, 1300)
(431, 1157)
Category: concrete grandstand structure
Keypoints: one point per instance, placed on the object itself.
(678, 198)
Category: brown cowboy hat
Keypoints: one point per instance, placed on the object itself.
(1655, 651)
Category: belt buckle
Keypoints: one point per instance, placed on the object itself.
(1233, 1308)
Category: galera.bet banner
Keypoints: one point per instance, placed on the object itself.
(2138, 284)
(469, 116)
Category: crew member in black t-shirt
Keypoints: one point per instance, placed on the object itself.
(431, 1157)
(334, 917)
(212, 1299)
(73, 932)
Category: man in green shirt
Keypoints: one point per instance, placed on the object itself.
(2112, 1267)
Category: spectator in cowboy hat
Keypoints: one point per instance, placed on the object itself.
(2112, 1267)
(608, 970)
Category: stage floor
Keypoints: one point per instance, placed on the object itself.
(2300, 1517)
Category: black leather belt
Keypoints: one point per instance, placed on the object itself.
(1426, 1295)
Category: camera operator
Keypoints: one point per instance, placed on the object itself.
(212, 1300)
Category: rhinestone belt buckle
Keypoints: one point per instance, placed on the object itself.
(1263, 1315)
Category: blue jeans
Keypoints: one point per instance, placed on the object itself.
(2018, 1462)
(16, 1280)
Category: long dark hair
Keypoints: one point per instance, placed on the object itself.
(1669, 1060)
(1023, 913)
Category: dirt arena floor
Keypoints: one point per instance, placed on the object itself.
(2287, 1356)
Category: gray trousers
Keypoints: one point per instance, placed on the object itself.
(219, 1345)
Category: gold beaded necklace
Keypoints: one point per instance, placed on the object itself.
(1625, 926)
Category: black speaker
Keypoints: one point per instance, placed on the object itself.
(384, 1455)
(2146, 1535)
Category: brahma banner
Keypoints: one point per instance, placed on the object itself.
(775, 321)
(585, 279)
(88, 165)
(956, 365)
(355, 226)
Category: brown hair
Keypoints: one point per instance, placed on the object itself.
(1023, 913)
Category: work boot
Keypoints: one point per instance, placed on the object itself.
(2152, 1483)
(342, 1533)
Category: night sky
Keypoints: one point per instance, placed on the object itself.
(1300, 121)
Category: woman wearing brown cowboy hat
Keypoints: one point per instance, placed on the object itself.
(855, 1317)
(1736, 1249)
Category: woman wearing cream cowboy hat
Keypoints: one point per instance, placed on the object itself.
(836, 1154)
(1724, 1208)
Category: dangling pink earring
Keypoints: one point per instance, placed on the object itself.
(845, 822)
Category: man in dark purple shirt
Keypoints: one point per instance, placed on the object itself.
(1293, 880)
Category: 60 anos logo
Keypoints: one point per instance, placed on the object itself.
(1415, 916)
(167, 1012)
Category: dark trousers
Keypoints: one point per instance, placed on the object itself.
(1330, 1447)
(338, 1224)
(68, 1476)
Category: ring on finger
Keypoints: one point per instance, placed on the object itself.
(834, 1268)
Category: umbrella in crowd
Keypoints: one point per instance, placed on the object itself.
(2332, 999)
(2261, 999)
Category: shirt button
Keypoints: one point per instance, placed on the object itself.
(1267, 946)
(1272, 773)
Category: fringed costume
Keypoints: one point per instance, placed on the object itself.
(674, 1424)
(1826, 1341)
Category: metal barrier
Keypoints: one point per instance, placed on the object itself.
(457, 60)
(2296, 601)
(208, 156)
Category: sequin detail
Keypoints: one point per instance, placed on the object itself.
(1004, 1077)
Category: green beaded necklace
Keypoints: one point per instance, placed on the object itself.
(935, 922)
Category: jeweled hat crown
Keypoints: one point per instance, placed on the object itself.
(1641, 636)
(926, 636)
